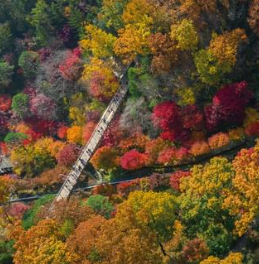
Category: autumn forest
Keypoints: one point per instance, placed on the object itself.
(149, 111)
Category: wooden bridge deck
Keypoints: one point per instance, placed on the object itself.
(5, 165)
(89, 149)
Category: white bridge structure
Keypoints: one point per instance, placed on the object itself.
(90, 147)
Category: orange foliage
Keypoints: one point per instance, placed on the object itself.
(4, 148)
(105, 158)
(164, 51)
(176, 177)
(154, 147)
(243, 197)
(72, 210)
(83, 240)
(51, 177)
(195, 250)
(172, 155)
(194, 8)
(254, 16)
(182, 154)
(100, 79)
(6, 184)
(24, 128)
(74, 134)
(5, 102)
(62, 132)
(218, 140)
(236, 134)
(104, 189)
(225, 47)
(55, 147)
(131, 42)
(42, 243)
(122, 241)
(199, 148)
(138, 141)
(252, 129)
(167, 156)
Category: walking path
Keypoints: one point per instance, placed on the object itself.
(127, 176)
(94, 140)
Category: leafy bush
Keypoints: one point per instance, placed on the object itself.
(68, 155)
(40, 19)
(5, 102)
(30, 217)
(29, 62)
(6, 252)
(43, 107)
(100, 204)
(30, 160)
(254, 16)
(6, 72)
(218, 140)
(14, 138)
(228, 106)
(133, 160)
(20, 104)
(5, 36)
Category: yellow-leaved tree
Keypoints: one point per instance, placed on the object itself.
(225, 47)
(98, 42)
(142, 224)
(74, 134)
(132, 40)
(185, 34)
(100, 79)
(243, 199)
(202, 201)
(42, 243)
(220, 57)
(232, 258)
(138, 18)
(31, 160)
(139, 12)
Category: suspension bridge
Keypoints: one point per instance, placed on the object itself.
(96, 137)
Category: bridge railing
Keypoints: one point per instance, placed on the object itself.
(95, 139)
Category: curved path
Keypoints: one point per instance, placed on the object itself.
(127, 176)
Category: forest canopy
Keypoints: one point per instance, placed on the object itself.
(187, 127)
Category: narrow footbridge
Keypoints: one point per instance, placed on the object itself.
(96, 137)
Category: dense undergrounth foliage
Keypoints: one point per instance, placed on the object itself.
(193, 93)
